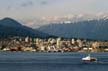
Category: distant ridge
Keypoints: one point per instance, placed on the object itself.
(8, 22)
(93, 29)
(10, 27)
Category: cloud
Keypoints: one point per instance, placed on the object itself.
(50, 18)
(9, 8)
(30, 23)
(26, 4)
(43, 2)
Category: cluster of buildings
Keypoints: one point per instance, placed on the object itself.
(52, 45)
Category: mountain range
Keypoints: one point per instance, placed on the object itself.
(10, 27)
(93, 29)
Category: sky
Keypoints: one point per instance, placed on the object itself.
(38, 12)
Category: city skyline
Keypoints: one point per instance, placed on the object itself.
(43, 11)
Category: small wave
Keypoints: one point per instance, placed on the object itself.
(96, 63)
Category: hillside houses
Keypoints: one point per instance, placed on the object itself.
(52, 45)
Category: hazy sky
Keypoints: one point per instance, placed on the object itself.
(30, 9)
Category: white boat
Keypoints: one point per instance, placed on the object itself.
(89, 59)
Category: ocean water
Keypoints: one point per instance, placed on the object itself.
(32, 61)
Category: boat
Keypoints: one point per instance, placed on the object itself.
(89, 59)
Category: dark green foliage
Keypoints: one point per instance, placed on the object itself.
(10, 28)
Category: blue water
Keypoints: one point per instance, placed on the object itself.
(32, 61)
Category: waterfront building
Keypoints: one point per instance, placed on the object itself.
(37, 40)
(53, 41)
(42, 48)
(79, 42)
(95, 45)
(73, 41)
(27, 39)
(48, 48)
(58, 42)
(6, 49)
(28, 49)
